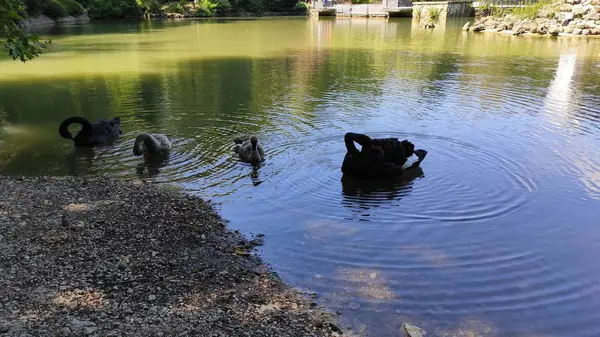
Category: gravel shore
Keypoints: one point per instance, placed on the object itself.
(101, 257)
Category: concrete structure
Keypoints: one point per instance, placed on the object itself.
(448, 9)
(394, 8)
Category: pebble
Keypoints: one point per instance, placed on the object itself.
(89, 330)
(373, 276)
(78, 325)
(151, 297)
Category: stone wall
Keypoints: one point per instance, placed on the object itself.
(568, 17)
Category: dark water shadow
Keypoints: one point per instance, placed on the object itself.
(80, 160)
(254, 175)
(151, 166)
(368, 194)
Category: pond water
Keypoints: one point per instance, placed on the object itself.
(500, 234)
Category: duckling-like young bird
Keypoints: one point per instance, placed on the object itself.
(151, 144)
(250, 151)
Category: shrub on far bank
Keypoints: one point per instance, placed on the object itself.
(54, 9)
(175, 7)
(149, 6)
(35, 7)
(206, 8)
(533, 10)
(542, 8)
(301, 7)
(101, 9)
(223, 6)
(73, 7)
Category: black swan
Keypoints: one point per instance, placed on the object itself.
(249, 151)
(151, 144)
(378, 158)
(101, 132)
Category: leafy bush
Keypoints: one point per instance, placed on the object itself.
(301, 7)
(35, 7)
(55, 9)
(206, 8)
(113, 8)
(19, 44)
(530, 10)
(255, 6)
(175, 8)
(73, 7)
(223, 6)
(149, 6)
(281, 5)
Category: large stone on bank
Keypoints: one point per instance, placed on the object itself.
(466, 26)
(592, 16)
(564, 22)
(566, 7)
(595, 31)
(477, 28)
(579, 11)
(568, 29)
(491, 24)
(577, 31)
(564, 18)
(554, 30)
(532, 27)
(518, 30)
(585, 32)
(502, 26)
(590, 24)
(542, 30)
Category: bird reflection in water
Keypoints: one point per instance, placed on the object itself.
(80, 160)
(254, 176)
(362, 196)
(152, 165)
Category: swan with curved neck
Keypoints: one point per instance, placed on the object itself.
(102, 131)
(378, 158)
(151, 144)
(249, 151)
